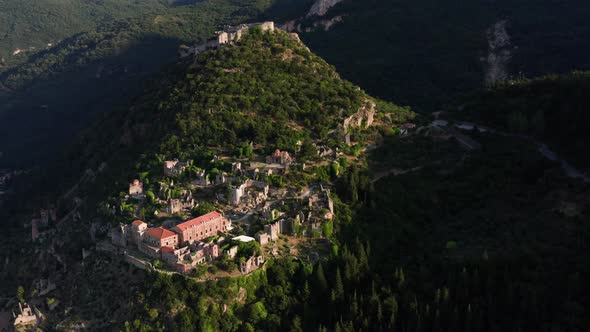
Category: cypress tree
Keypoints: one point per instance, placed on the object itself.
(354, 306)
(296, 325)
(339, 286)
(320, 278)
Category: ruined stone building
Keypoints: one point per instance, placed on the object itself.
(232, 252)
(363, 118)
(138, 227)
(325, 151)
(136, 188)
(280, 157)
(236, 167)
(229, 35)
(262, 238)
(232, 34)
(173, 168)
(272, 231)
(221, 178)
(26, 315)
(251, 264)
(321, 205)
(201, 178)
(186, 202)
(237, 193)
(173, 256)
(204, 252)
(47, 215)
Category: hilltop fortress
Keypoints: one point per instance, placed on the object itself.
(229, 35)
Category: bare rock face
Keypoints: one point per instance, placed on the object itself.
(321, 7)
(363, 118)
(328, 23)
(291, 26)
(499, 53)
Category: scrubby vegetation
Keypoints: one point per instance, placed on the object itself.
(26, 24)
(96, 70)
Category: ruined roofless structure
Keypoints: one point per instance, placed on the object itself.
(229, 35)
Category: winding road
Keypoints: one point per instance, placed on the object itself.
(569, 170)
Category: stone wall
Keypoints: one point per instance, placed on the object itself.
(363, 118)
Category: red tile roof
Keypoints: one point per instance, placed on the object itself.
(137, 223)
(408, 125)
(167, 249)
(160, 233)
(199, 220)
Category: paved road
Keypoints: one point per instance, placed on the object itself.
(568, 168)
(394, 171)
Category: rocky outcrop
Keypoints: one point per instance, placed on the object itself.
(499, 53)
(327, 24)
(291, 26)
(324, 24)
(321, 7)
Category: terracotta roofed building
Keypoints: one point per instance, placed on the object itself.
(160, 237)
(201, 227)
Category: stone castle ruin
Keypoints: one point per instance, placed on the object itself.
(363, 118)
(229, 35)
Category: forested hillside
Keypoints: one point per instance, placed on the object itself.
(427, 235)
(422, 53)
(269, 91)
(30, 26)
(554, 109)
(58, 91)
(425, 53)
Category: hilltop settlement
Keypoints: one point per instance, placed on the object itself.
(227, 213)
(243, 201)
(216, 208)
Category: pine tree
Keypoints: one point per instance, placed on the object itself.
(20, 294)
(339, 286)
(391, 326)
(468, 319)
(320, 278)
(436, 324)
(362, 257)
(401, 278)
(296, 325)
(306, 292)
(354, 306)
